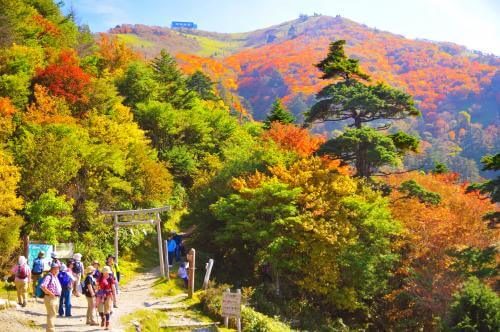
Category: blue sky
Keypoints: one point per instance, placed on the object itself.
(473, 23)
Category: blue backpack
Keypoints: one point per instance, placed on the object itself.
(37, 266)
(64, 279)
(38, 289)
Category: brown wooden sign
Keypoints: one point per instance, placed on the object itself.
(231, 304)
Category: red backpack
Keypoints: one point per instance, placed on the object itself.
(21, 272)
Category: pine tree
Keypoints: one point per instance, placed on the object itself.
(278, 113)
(351, 98)
(202, 85)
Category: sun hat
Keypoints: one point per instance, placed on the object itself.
(96, 262)
(77, 257)
(53, 254)
(21, 260)
(63, 268)
(89, 269)
(54, 265)
(106, 269)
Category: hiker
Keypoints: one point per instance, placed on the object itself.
(37, 270)
(179, 247)
(55, 258)
(22, 273)
(96, 266)
(88, 290)
(66, 280)
(106, 289)
(77, 273)
(182, 273)
(115, 271)
(171, 251)
(52, 290)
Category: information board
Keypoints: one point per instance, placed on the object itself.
(231, 304)
(35, 248)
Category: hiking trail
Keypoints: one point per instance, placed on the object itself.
(133, 296)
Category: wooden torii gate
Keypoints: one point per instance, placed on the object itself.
(140, 217)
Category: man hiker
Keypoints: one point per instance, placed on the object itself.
(88, 290)
(22, 279)
(52, 290)
(77, 273)
(66, 281)
(55, 258)
(171, 246)
(37, 270)
(115, 272)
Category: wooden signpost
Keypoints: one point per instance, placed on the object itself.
(191, 258)
(231, 307)
(139, 217)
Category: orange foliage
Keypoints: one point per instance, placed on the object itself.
(47, 109)
(48, 28)
(6, 107)
(115, 53)
(456, 223)
(292, 138)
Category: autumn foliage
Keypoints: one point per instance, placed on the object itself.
(292, 138)
(427, 284)
(65, 78)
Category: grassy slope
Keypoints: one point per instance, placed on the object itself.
(134, 40)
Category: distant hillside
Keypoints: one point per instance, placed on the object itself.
(256, 67)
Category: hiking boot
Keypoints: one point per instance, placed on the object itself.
(107, 326)
(94, 324)
(102, 322)
(23, 305)
(115, 305)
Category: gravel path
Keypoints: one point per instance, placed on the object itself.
(133, 296)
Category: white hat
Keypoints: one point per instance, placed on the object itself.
(63, 267)
(77, 256)
(53, 254)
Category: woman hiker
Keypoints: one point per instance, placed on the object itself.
(115, 273)
(22, 273)
(52, 290)
(88, 290)
(77, 273)
(106, 289)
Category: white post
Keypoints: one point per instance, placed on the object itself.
(116, 237)
(208, 267)
(226, 318)
(238, 319)
(167, 261)
(160, 245)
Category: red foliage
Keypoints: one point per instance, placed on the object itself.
(65, 78)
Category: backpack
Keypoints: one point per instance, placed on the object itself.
(77, 268)
(38, 289)
(37, 266)
(85, 284)
(64, 279)
(21, 272)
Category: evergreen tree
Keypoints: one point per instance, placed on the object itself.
(202, 85)
(350, 98)
(490, 187)
(476, 308)
(278, 113)
(173, 88)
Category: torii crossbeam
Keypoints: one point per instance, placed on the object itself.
(140, 217)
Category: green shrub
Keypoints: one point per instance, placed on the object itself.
(251, 320)
(475, 308)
